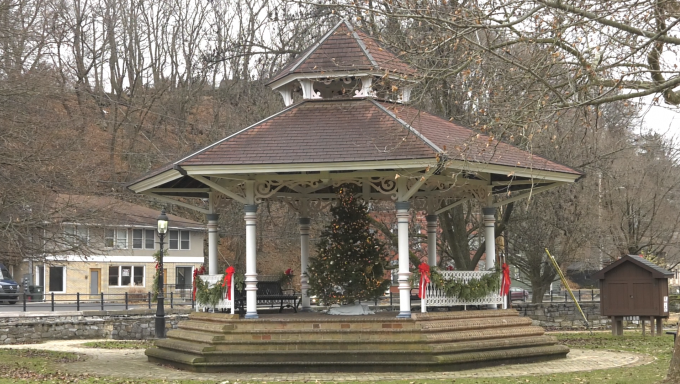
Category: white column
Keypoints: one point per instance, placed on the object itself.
(431, 239)
(213, 240)
(304, 260)
(404, 273)
(490, 239)
(251, 261)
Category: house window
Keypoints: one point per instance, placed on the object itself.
(183, 278)
(179, 240)
(57, 275)
(116, 238)
(76, 235)
(149, 239)
(125, 276)
(143, 239)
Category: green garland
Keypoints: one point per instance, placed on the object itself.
(210, 296)
(472, 290)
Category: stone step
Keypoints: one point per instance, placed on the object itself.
(214, 317)
(459, 315)
(207, 326)
(197, 336)
(305, 366)
(322, 345)
(483, 334)
(324, 356)
(184, 345)
(301, 336)
(482, 345)
(171, 355)
(474, 323)
(503, 354)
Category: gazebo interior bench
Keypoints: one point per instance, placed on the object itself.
(267, 293)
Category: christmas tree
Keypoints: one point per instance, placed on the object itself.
(350, 262)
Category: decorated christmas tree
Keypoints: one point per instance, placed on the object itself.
(350, 262)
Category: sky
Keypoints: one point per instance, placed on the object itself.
(662, 119)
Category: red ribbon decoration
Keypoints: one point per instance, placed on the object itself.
(228, 274)
(505, 283)
(424, 279)
(195, 276)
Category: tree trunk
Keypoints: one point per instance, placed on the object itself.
(538, 290)
(674, 369)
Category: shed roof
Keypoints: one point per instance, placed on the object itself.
(657, 271)
(345, 49)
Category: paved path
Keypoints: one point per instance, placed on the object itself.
(133, 364)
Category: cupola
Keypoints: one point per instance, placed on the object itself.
(345, 63)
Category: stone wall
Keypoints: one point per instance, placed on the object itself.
(562, 315)
(120, 325)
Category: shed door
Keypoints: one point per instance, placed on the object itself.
(643, 296)
(619, 297)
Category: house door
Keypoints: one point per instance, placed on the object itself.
(95, 281)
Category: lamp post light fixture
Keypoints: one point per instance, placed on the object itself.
(160, 309)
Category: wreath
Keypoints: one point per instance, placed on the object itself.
(474, 289)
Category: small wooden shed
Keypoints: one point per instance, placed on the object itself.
(634, 286)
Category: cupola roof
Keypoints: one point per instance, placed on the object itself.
(343, 51)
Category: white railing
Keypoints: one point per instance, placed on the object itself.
(223, 304)
(436, 297)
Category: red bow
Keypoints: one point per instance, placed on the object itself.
(228, 273)
(505, 283)
(194, 281)
(424, 279)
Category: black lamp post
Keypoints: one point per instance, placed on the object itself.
(160, 309)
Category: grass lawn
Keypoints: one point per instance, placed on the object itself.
(26, 366)
(119, 344)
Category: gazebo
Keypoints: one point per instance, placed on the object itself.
(352, 125)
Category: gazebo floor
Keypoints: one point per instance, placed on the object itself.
(315, 342)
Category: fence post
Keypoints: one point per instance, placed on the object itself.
(171, 298)
(592, 294)
(126, 301)
(390, 299)
(24, 301)
(565, 297)
(52, 300)
(149, 299)
(551, 296)
(101, 300)
(77, 301)
(579, 295)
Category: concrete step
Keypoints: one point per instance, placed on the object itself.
(474, 323)
(322, 345)
(184, 345)
(483, 345)
(504, 354)
(171, 355)
(214, 317)
(459, 315)
(197, 336)
(322, 356)
(207, 326)
(483, 334)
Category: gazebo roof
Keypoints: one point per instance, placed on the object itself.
(356, 134)
(344, 49)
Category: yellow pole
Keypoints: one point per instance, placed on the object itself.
(564, 282)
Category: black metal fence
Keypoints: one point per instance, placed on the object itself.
(53, 302)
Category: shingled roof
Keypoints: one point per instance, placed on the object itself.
(345, 49)
(361, 130)
(640, 261)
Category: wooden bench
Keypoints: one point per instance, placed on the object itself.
(269, 292)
